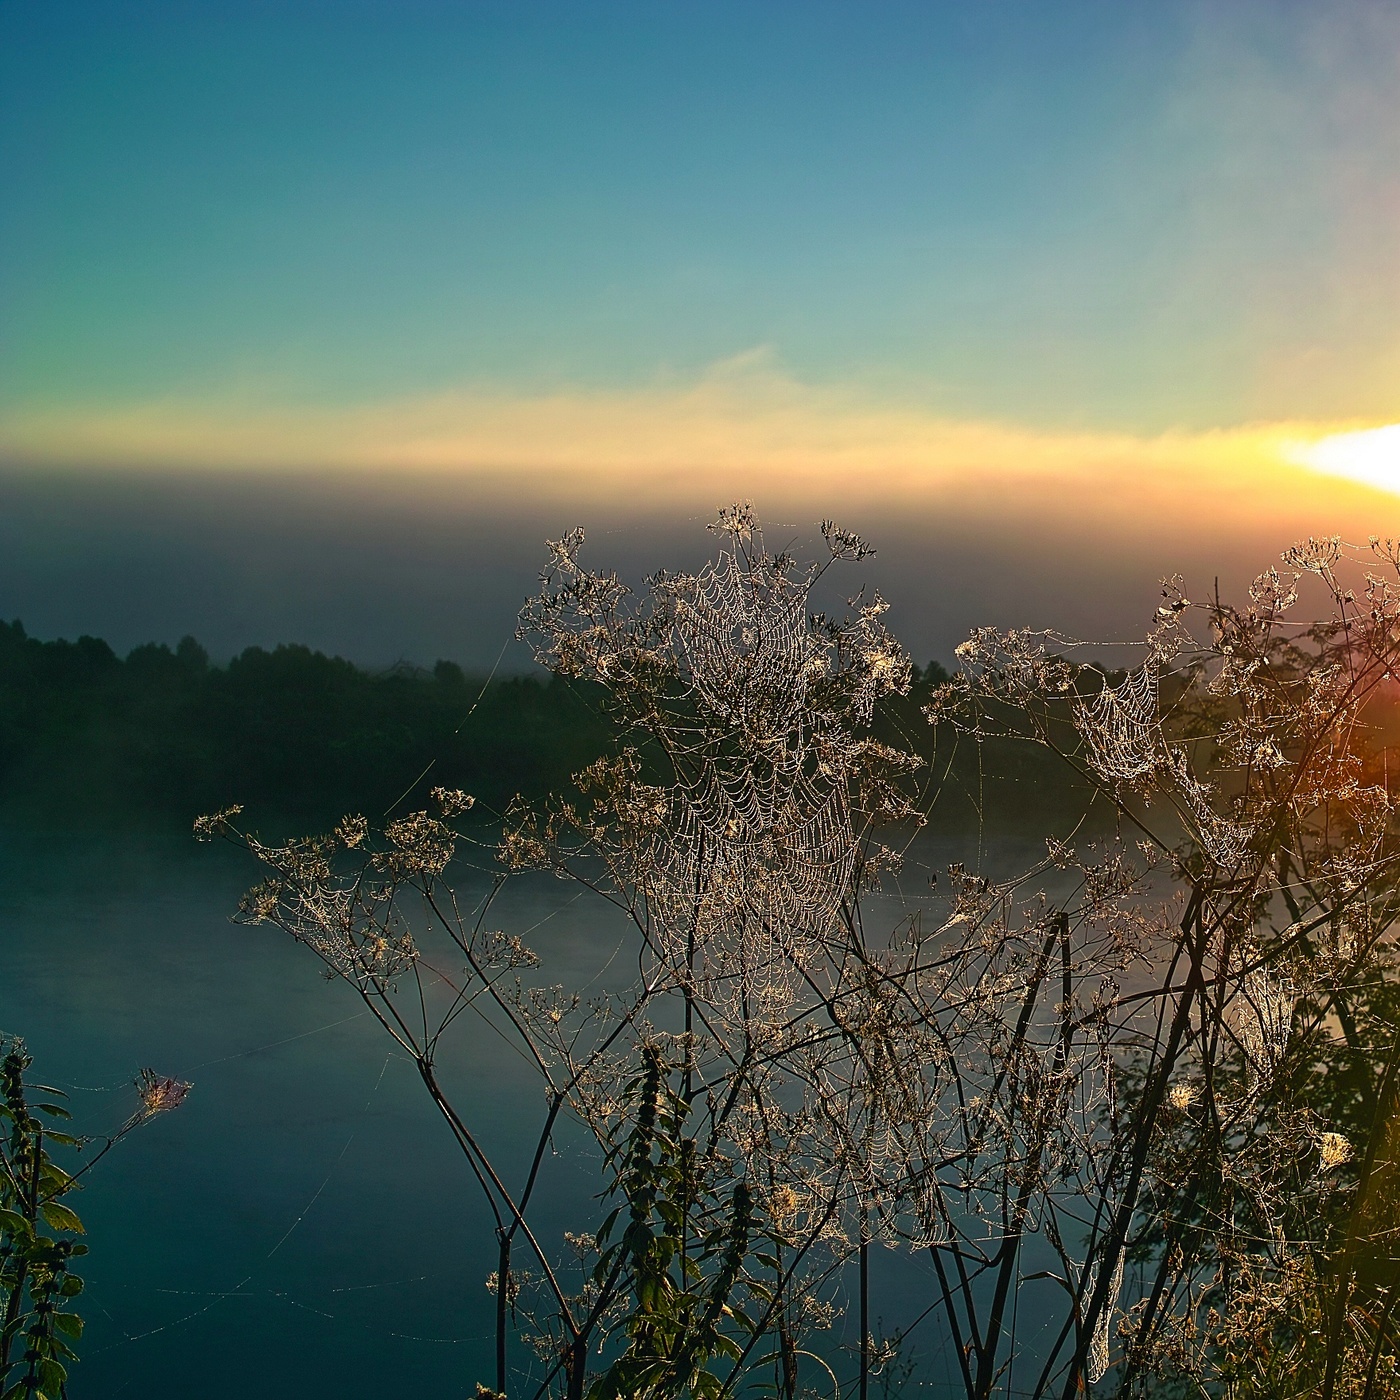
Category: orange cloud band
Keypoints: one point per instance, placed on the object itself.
(745, 430)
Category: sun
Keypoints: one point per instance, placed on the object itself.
(1371, 456)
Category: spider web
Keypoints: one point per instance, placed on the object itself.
(751, 880)
(1119, 727)
(748, 642)
(751, 865)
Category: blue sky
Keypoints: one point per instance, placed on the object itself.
(1054, 213)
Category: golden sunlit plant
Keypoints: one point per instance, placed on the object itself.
(1139, 1091)
(1249, 1179)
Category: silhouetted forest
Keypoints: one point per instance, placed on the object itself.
(88, 737)
(164, 733)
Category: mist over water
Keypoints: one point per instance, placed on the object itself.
(387, 568)
(304, 1224)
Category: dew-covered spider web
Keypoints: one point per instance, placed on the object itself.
(746, 637)
(750, 884)
(758, 851)
(1120, 729)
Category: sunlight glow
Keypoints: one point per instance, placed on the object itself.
(746, 429)
(1371, 456)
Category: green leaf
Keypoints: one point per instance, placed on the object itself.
(53, 1180)
(606, 1228)
(638, 1238)
(59, 1217)
(15, 1223)
(54, 1110)
(70, 1324)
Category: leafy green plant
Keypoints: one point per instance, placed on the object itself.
(36, 1242)
(678, 1247)
(38, 1228)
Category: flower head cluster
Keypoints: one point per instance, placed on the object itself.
(159, 1093)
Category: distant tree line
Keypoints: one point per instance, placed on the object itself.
(298, 736)
(165, 733)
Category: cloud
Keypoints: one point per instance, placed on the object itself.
(745, 428)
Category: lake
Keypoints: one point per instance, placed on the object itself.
(303, 1225)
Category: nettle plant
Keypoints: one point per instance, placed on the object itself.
(39, 1322)
(1128, 1104)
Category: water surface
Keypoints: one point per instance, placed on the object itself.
(304, 1225)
